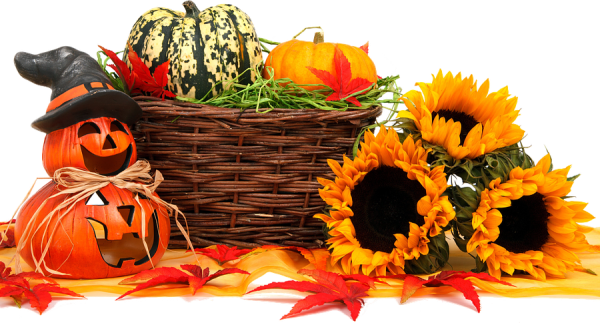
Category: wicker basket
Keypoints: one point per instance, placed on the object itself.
(245, 178)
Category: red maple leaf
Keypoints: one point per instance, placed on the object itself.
(365, 49)
(150, 83)
(19, 288)
(7, 235)
(452, 278)
(170, 275)
(329, 287)
(122, 70)
(222, 253)
(344, 87)
(140, 79)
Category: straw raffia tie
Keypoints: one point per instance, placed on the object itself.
(81, 184)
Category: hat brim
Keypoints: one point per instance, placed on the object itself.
(96, 104)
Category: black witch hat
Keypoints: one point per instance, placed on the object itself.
(80, 89)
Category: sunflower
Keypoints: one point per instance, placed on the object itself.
(525, 224)
(468, 122)
(386, 209)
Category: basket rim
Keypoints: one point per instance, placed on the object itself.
(152, 104)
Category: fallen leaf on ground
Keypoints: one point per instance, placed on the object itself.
(169, 275)
(456, 279)
(329, 287)
(222, 253)
(18, 286)
(7, 240)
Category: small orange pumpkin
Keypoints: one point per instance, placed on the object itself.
(101, 145)
(95, 241)
(290, 59)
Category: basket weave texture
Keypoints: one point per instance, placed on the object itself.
(245, 178)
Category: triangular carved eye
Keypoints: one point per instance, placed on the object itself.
(97, 199)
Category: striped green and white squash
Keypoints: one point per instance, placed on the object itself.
(205, 48)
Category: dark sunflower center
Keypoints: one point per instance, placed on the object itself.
(383, 204)
(467, 122)
(524, 224)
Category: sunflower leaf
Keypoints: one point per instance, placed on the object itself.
(480, 266)
(406, 124)
(467, 195)
(460, 242)
(360, 135)
(442, 248)
(573, 178)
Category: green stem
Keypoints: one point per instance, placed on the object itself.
(191, 11)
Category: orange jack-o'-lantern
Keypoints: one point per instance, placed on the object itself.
(95, 241)
(101, 145)
(86, 119)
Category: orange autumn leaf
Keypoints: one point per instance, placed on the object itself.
(364, 279)
(329, 287)
(317, 257)
(139, 79)
(344, 86)
(456, 279)
(169, 275)
(151, 83)
(18, 286)
(222, 253)
(7, 240)
(147, 275)
(127, 77)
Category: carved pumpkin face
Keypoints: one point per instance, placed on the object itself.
(96, 241)
(101, 145)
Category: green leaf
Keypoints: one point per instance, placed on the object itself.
(461, 244)
(17, 300)
(360, 136)
(573, 178)
(591, 272)
(480, 266)
(465, 229)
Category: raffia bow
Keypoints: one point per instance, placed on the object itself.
(81, 184)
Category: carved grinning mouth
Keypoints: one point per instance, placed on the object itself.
(107, 166)
(130, 246)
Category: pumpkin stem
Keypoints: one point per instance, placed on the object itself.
(319, 37)
(191, 10)
(316, 29)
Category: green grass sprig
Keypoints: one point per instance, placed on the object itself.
(267, 94)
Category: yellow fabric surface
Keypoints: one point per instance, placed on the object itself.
(287, 263)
